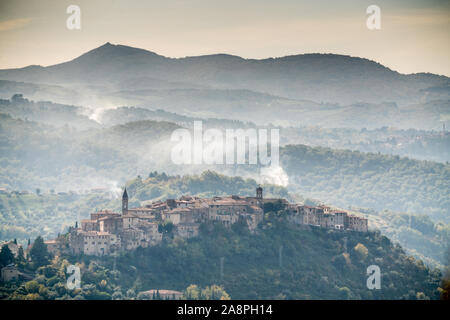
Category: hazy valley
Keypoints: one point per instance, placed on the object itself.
(353, 134)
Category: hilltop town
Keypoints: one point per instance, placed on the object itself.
(107, 232)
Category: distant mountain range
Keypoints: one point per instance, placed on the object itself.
(326, 78)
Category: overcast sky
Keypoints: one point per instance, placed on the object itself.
(414, 35)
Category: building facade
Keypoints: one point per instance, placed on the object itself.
(107, 232)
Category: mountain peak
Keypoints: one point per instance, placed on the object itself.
(106, 45)
(114, 51)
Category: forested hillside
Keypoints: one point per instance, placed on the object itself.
(281, 261)
(314, 264)
(36, 155)
(417, 233)
(376, 181)
(46, 112)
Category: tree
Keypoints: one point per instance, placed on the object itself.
(117, 295)
(445, 286)
(445, 292)
(192, 292)
(345, 293)
(18, 98)
(20, 256)
(214, 292)
(6, 256)
(103, 284)
(32, 286)
(39, 253)
(361, 251)
(131, 294)
(165, 227)
(421, 296)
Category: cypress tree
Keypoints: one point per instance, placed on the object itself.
(6, 256)
(39, 253)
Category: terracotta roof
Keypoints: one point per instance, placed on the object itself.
(229, 202)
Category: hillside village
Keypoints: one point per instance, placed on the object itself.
(107, 232)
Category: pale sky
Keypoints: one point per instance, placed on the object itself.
(414, 35)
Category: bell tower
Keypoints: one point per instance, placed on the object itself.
(259, 193)
(125, 202)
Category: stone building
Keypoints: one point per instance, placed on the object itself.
(325, 217)
(53, 246)
(107, 232)
(356, 223)
(9, 273)
(95, 243)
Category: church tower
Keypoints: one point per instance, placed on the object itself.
(259, 193)
(125, 202)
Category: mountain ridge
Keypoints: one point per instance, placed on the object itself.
(109, 47)
(314, 76)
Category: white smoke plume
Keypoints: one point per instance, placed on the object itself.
(274, 175)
